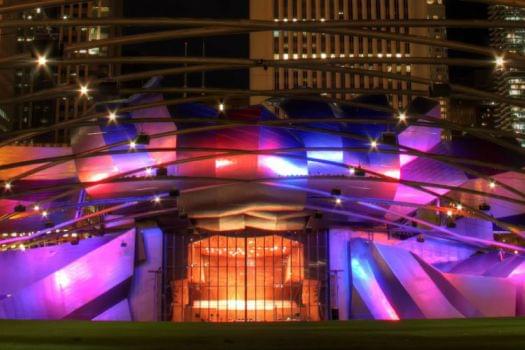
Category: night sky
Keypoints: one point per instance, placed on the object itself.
(237, 46)
(228, 46)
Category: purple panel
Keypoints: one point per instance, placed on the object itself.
(146, 279)
(29, 262)
(367, 287)
(437, 250)
(420, 287)
(493, 297)
(509, 265)
(118, 312)
(477, 264)
(80, 282)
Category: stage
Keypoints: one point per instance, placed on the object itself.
(421, 334)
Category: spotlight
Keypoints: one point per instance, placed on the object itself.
(22, 247)
(112, 116)
(449, 212)
(42, 61)
(149, 171)
(402, 116)
(221, 106)
(352, 170)
(8, 186)
(500, 62)
(156, 199)
(36, 207)
(373, 144)
(44, 214)
(84, 90)
(459, 207)
(492, 184)
(338, 201)
(132, 145)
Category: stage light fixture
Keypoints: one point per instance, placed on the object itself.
(359, 172)
(336, 192)
(20, 208)
(162, 171)
(142, 139)
(484, 207)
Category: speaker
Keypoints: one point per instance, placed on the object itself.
(142, 139)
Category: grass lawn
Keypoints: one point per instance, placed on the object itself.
(492, 334)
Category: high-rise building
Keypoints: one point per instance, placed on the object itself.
(510, 82)
(301, 45)
(50, 42)
(6, 76)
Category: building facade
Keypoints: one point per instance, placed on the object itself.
(50, 42)
(509, 82)
(302, 45)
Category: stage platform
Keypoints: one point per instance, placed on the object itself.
(423, 334)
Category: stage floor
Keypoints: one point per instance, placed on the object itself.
(438, 334)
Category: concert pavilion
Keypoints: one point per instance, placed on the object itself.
(332, 211)
(310, 203)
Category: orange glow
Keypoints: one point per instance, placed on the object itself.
(238, 305)
(237, 278)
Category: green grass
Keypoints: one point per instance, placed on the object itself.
(494, 334)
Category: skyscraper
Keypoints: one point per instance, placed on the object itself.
(50, 42)
(302, 45)
(510, 82)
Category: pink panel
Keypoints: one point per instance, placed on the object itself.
(76, 284)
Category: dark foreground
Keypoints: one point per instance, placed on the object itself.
(442, 334)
